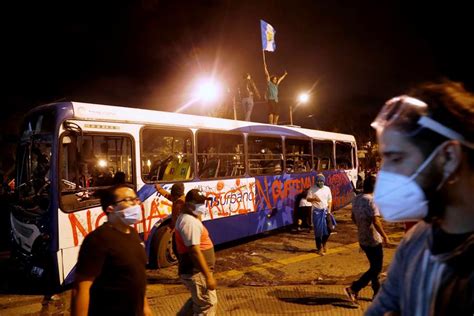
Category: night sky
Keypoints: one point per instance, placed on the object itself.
(147, 54)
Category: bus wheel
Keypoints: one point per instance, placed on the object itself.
(161, 250)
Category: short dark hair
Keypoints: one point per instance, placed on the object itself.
(177, 189)
(108, 197)
(450, 104)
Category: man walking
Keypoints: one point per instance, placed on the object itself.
(196, 257)
(371, 234)
(321, 198)
(110, 275)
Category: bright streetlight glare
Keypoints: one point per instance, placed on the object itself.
(208, 90)
(102, 163)
(303, 97)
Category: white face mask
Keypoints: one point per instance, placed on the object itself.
(129, 215)
(199, 209)
(399, 198)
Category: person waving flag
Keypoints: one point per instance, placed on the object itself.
(268, 36)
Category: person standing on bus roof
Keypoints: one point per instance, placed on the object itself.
(196, 257)
(110, 274)
(321, 198)
(246, 90)
(176, 196)
(426, 140)
(272, 94)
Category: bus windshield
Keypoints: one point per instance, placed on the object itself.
(33, 162)
(33, 166)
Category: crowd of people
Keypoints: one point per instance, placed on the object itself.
(427, 175)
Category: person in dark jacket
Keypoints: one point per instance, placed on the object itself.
(426, 139)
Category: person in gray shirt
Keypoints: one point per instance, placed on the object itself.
(426, 140)
(371, 234)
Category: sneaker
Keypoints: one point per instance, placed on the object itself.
(351, 294)
(325, 249)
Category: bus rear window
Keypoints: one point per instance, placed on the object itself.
(323, 154)
(343, 155)
(167, 155)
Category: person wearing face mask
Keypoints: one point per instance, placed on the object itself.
(196, 256)
(426, 140)
(110, 277)
(320, 197)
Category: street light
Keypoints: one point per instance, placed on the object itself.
(302, 98)
(207, 90)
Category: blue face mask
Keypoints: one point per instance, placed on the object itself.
(130, 215)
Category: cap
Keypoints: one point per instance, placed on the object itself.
(196, 196)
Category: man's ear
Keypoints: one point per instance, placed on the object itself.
(452, 154)
(109, 209)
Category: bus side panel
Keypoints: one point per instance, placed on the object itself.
(342, 189)
(229, 228)
(276, 198)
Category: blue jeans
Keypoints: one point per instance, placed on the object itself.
(247, 105)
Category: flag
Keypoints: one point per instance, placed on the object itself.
(268, 36)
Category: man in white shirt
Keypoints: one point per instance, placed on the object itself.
(321, 199)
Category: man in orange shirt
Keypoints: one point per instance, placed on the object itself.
(176, 196)
(196, 256)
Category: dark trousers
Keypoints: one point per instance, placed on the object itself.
(321, 241)
(304, 214)
(375, 256)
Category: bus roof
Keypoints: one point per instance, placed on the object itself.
(119, 114)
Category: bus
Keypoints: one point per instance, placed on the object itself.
(252, 171)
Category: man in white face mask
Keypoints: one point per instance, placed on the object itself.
(427, 144)
(110, 274)
(196, 256)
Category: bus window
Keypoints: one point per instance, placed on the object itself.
(298, 155)
(343, 155)
(265, 155)
(166, 154)
(323, 154)
(90, 162)
(220, 155)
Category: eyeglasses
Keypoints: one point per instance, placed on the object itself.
(128, 200)
(412, 115)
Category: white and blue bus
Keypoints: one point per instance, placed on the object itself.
(253, 172)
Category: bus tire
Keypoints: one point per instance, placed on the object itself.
(161, 249)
